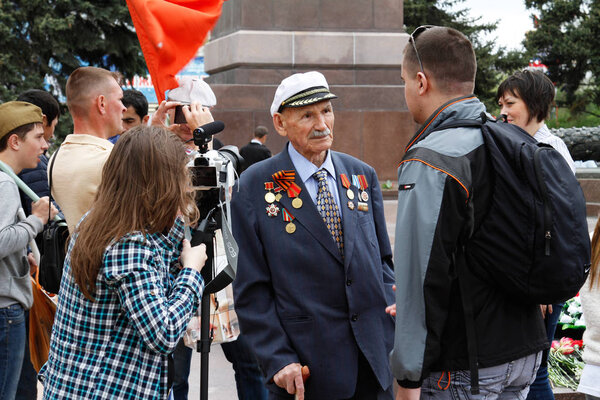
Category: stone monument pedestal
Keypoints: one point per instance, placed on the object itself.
(356, 44)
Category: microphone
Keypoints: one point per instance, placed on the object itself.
(204, 133)
(209, 129)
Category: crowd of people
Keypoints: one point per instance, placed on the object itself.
(324, 309)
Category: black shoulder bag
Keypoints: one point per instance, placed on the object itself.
(54, 246)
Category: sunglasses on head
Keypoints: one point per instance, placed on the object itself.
(413, 37)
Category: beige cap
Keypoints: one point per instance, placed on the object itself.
(14, 114)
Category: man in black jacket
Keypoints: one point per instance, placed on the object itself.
(256, 150)
(444, 191)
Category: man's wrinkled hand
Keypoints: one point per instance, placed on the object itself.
(290, 379)
(391, 309)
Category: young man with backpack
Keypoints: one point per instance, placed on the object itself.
(468, 320)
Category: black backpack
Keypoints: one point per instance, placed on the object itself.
(533, 241)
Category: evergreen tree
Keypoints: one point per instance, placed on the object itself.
(492, 65)
(45, 40)
(566, 39)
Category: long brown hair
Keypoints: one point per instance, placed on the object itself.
(594, 270)
(144, 185)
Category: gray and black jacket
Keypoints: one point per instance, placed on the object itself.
(444, 192)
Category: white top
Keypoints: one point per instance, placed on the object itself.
(590, 377)
(543, 135)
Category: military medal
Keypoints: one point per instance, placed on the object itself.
(346, 184)
(272, 210)
(297, 202)
(269, 196)
(363, 187)
(285, 179)
(287, 217)
(278, 195)
(351, 204)
(363, 206)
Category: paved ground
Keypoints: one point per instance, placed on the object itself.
(221, 382)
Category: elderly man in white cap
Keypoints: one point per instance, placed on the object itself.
(315, 264)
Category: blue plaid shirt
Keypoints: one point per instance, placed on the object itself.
(118, 345)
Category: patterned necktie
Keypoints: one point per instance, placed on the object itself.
(329, 210)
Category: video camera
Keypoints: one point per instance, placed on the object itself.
(213, 168)
(213, 174)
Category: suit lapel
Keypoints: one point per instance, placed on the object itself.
(307, 215)
(349, 217)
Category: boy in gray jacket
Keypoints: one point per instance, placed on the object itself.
(21, 144)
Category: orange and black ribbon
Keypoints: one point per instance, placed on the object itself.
(285, 179)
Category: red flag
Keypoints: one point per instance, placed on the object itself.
(170, 33)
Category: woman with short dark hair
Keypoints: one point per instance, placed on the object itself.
(525, 99)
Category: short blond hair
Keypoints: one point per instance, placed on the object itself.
(86, 83)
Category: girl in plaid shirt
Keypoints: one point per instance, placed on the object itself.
(131, 282)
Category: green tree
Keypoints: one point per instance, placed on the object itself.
(493, 65)
(45, 40)
(566, 39)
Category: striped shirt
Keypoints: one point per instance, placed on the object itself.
(117, 347)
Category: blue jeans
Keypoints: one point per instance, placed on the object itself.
(27, 388)
(248, 377)
(12, 349)
(540, 388)
(509, 381)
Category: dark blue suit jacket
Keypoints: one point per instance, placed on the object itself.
(297, 300)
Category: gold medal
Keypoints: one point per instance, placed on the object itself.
(290, 228)
(278, 197)
(351, 205)
(364, 196)
(269, 197)
(297, 203)
(350, 194)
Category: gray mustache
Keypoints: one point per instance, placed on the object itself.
(316, 133)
